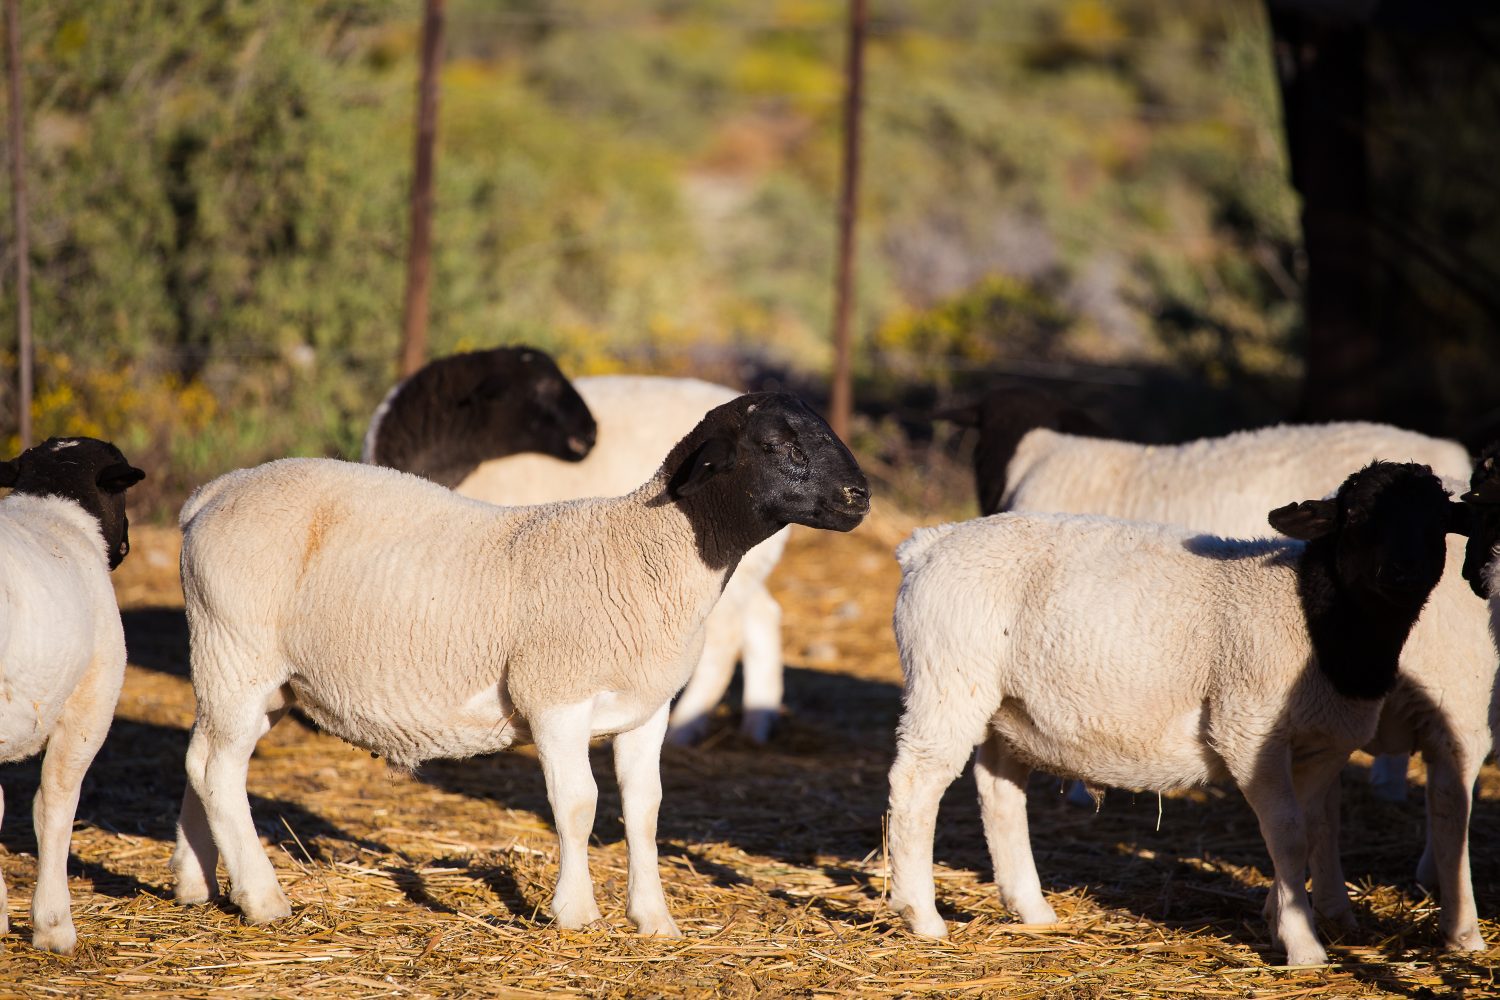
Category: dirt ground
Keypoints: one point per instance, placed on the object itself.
(436, 885)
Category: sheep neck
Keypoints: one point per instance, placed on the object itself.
(1357, 636)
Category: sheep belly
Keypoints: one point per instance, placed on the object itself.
(1160, 754)
(418, 728)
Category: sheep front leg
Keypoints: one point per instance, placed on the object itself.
(1329, 892)
(1002, 801)
(562, 744)
(638, 770)
(1273, 797)
(1450, 791)
(71, 748)
(763, 665)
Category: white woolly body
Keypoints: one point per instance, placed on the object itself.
(1130, 654)
(58, 617)
(1122, 653)
(418, 624)
(640, 418)
(1223, 485)
(62, 661)
(1227, 486)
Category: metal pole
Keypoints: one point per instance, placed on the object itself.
(841, 402)
(419, 255)
(18, 212)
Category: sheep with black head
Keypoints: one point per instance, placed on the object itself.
(1150, 657)
(62, 650)
(458, 411)
(419, 624)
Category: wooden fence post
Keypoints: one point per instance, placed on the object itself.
(419, 254)
(841, 401)
(24, 352)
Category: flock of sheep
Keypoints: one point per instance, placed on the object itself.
(524, 559)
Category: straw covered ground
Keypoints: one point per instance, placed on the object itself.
(435, 885)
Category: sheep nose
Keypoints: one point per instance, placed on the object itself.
(856, 496)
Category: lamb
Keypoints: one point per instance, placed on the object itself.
(62, 649)
(1147, 656)
(458, 411)
(417, 624)
(640, 417)
(1449, 665)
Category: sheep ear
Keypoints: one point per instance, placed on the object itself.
(1460, 519)
(119, 477)
(714, 456)
(1306, 520)
(10, 472)
(963, 416)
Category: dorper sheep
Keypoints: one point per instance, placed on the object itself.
(459, 411)
(62, 649)
(1149, 657)
(1031, 456)
(417, 624)
(638, 419)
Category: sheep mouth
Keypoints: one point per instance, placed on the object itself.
(579, 446)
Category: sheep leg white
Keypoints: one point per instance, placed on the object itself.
(562, 744)
(218, 764)
(1002, 801)
(1330, 893)
(71, 748)
(1388, 777)
(638, 770)
(705, 689)
(1272, 794)
(762, 661)
(1450, 790)
(195, 859)
(922, 770)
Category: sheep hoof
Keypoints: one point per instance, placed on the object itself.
(263, 911)
(1344, 919)
(575, 917)
(658, 925)
(758, 724)
(927, 924)
(193, 894)
(60, 938)
(690, 733)
(1468, 939)
(1307, 955)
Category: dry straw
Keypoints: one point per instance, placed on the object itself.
(436, 885)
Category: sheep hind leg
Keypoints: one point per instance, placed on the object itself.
(1388, 777)
(638, 770)
(562, 744)
(71, 748)
(1002, 801)
(218, 765)
(922, 770)
(763, 667)
(695, 706)
(4, 900)
(1450, 801)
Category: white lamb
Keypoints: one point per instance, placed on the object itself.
(418, 624)
(639, 418)
(1024, 461)
(1147, 656)
(62, 649)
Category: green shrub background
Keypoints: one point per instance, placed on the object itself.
(218, 199)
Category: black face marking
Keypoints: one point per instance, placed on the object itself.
(1005, 417)
(91, 473)
(1483, 503)
(465, 409)
(758, 463)
(1374, 553)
